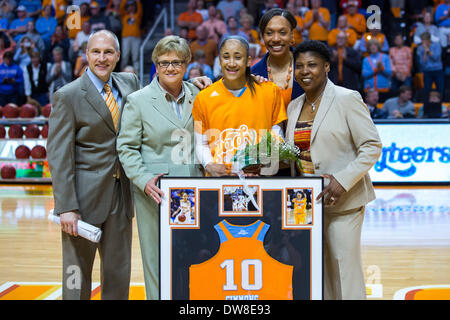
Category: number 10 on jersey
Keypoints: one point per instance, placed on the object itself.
(246, 266)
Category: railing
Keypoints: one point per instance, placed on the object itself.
(162, 15)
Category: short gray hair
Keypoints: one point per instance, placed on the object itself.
(108, 33)
(172, 44)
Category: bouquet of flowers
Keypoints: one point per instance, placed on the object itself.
(271, 147)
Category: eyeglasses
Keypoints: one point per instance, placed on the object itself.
(175, 63)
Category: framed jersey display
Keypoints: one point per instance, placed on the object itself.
(231, 239)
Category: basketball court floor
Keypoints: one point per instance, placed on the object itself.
(405, 245)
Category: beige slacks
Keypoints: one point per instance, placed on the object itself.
(343, 273)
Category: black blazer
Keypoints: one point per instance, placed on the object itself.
(351, 70)
(260, 69)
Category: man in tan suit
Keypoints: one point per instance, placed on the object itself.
(89, 183)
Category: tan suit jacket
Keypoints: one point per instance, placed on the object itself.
(84, 166)
(152, 141)
(344, 143)
(82, 149)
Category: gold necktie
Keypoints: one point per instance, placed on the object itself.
(112, 104)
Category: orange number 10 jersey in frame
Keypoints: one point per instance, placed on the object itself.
(241, 269)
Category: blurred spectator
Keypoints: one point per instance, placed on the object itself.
(74, 29)
(114, 15)
(401, 106)
(356, 20)
(195, 72)
(190, 19)
(446, 61)
(430, 63)
(4, 24)
(131, 12)
(247, 23)
(317, 22)
(254, 52)
(268, 4)
(376, 70)
(433, 107)
(230, 8)
(22, 56)
(19, 25)
(233, 29)
(59, 39)
(372, 99)
(332, 7)
(291, 7)
(98, 20)
(113, 8)
(301, 7)
(414, 10)
(200, 62)
(7, 9)
(342, 26)
(217, 69)
(346, 4)
(35, 83)
(426, 26)
(33, 7)
(202, 42)
(373, 34)
(81, 61)
(401, 59)
(59, 72)
(59, 7)
(216, 27)
(184, 33)
(35, 36)
(4, 47)
(442, 18)
(46, 25)
(101, 3)
(255, 7)
(81, 37)
(168, 32)
(11, 80)
(200, 8)
(345, 68)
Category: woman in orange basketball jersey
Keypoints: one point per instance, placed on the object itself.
(235, 110)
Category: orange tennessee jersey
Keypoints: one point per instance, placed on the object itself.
(299, 210)
(299, 205)
(241, 269)
(231, 122)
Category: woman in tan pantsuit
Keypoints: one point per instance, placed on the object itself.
(338, 140)
(157, 139)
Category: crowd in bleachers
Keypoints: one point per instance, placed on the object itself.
(402, 66)
(43, 42)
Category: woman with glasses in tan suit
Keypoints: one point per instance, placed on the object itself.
(338, 140)
(156, 120)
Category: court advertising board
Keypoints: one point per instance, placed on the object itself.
(413, 153)
(231, 239)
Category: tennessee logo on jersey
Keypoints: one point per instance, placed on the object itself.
(231, 140)
(241, 268)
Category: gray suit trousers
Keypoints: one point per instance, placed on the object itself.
(115, 255)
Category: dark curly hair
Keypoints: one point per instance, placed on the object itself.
(314, 46)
